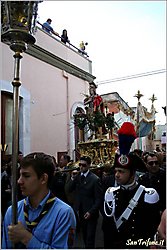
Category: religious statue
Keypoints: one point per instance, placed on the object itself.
(95, 111)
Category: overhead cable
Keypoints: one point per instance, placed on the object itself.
(132, 76)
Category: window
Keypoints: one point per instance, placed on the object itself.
(6, 125)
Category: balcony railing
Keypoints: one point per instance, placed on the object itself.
(69, 44)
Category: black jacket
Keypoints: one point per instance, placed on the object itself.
(88, 193)
(157, 181)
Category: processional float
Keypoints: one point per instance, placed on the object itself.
(96, 130)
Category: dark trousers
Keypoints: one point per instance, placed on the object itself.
(88, 228)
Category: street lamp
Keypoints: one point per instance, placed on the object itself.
(138, 95)
(18, 21)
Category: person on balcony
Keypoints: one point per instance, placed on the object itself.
(82, 48)
(64, 37)
(48, 28)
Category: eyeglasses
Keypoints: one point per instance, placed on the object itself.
(151, 163)
(82, 164)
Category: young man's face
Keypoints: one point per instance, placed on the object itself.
(123, 176)
(152, 164)
(29, 182)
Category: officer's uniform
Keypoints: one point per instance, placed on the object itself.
(142, 223)
(131, 215)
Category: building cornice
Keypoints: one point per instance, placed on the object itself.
(47, 57)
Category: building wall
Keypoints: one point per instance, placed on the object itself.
(159, 129)
(62, 50)
(160, 137)
(51, 93)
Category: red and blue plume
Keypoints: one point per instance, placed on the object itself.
(126, 135)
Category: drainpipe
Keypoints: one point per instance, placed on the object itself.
(65, 75)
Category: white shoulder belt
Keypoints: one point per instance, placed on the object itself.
(125, 215)
(132, 204)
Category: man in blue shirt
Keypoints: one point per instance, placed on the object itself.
(48, 28)
(44, 221)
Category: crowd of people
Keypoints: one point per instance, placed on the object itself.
(46, 26)
(57, 204)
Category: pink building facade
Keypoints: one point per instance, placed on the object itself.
(54, 78)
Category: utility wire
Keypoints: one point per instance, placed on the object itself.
(132, 76)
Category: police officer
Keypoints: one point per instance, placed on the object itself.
(131, 212)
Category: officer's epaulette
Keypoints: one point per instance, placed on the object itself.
(151, 196)
(109, 196)
(112, 189)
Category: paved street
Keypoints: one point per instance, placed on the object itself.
(99, 237)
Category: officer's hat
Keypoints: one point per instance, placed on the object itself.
(125, 159)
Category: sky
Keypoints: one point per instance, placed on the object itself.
(124, 38)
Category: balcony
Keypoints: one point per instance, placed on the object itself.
(50, 49)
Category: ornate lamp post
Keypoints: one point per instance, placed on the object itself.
(138, 95)
(18, 20)
(153, 111)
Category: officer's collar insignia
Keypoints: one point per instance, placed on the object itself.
(123, 160)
